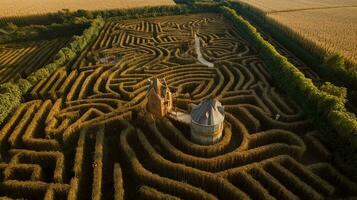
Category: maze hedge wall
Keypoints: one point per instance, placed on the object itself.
(11, 93)
(83, 133)
(288, 77)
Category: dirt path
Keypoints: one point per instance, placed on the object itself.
(199, 53)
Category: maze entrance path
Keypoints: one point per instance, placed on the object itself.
(82, 133)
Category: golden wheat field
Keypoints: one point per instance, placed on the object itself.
(280, 5)
(29, 7)
(333, 29)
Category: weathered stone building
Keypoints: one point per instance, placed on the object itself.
(159, 98)
(207, 121)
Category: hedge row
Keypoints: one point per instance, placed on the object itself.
(333, 67)
(11, 93)
(65, 16)
(155, 11)
(320, 104)
(40, 19)
(40, 32)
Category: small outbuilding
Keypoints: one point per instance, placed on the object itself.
(159, 97)
(207, 122)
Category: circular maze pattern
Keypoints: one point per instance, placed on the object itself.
(82, 133)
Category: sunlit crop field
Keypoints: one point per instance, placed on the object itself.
(283, 5)
(329, 24)
(333, 29)
(29, 7)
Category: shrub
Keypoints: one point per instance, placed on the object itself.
(331, 89)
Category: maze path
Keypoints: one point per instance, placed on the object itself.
(82, 133)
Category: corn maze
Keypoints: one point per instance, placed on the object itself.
(82, 134)
(21, 59)
(307, 71)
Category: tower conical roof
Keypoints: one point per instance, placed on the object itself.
(208, 113)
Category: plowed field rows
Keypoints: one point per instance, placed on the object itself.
(21, 59)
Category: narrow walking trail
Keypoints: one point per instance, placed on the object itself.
(199, 53)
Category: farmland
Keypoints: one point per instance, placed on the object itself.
(337, 32)
(328, 25)
(271, 6)
(37, 7)
(83, 132)
(21, 59)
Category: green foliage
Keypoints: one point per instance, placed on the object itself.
(40, 19)
(345, 124)
(191, 2)
(33, 32)
(335, 61)
(9, 87)
(24, 85)
(84, 13)
(10, 98)
(334, 68)
(11, 27)
(339, 92)
(156, 11)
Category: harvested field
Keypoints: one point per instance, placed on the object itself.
(21, 59)
(83, 132)
(337, 32)
(35, 7)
